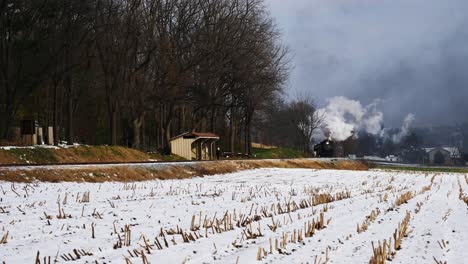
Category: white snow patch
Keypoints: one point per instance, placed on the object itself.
(148, 207)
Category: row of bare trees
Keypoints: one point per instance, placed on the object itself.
(293, 124)
(137, 72)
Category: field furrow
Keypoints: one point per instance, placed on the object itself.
(258, 216)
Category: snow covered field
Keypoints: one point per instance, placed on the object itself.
(257, 216)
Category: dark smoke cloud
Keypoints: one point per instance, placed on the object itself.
(411, 54)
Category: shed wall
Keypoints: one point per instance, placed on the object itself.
(182, 147)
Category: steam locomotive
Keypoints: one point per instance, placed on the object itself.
(325, 149)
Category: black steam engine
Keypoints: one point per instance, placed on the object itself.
(325, 149)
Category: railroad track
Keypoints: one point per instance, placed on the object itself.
(129, 163)
(96, 164)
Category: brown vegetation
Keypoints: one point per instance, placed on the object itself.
(4, 239)
(79, 154)
(387, 251)
(369, 220)
(462, 196)
(176, 171)
(404, 198)
(137, 73)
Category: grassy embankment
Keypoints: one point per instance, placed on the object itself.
(76, 154)
(83, 154)
(425, 169)
(174, 171)
(276, 153)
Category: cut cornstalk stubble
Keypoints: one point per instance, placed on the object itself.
(384, 252)
(4, 239)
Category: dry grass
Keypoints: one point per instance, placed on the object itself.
(439, 261)
(4, 239)
(46, 259)
(295, 236)
(176, 171)
(379, 253)
(251, 225)
(462, 196)
(369, 220)
(8, 158)
(404, 198)
(386, 251)
(79, 154)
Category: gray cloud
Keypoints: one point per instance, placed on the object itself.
(412, 54)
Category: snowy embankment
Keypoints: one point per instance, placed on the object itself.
(255, 216)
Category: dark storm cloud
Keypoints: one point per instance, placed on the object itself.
(412, 54)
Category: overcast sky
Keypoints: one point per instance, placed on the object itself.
(411, 54)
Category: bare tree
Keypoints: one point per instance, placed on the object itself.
(308, 120)
(149, 68)
(291, 124)
(24, 59)
(115, 46)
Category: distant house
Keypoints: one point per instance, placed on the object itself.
(393, 158)
(195, 145)
(443, 155)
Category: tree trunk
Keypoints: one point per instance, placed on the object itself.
(70, 107)
(136, 126)
(307, 147)
(162, 146)
(249, 140)
(3, 124)
(55, 115)
(248, 136)
(144, 141)
(167, 137)
(232, 132)
(113, 127)
(213, 121)
(7, 119)
(167, 118)
(158, 130)
(183, 120)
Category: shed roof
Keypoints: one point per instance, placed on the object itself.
(194, 134)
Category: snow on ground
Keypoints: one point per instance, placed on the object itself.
(232, 218)
(63, 145)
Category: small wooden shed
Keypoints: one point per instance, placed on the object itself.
(195, 145)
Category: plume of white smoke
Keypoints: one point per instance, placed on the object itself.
(343, 116)
(405, 129)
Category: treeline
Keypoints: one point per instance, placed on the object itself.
(137, 72)
(291, 124)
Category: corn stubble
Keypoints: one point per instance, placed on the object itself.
(386, 250)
